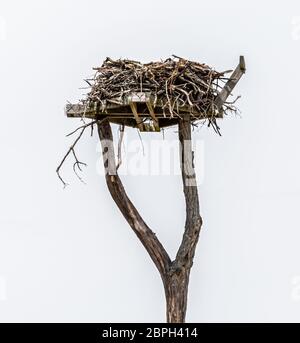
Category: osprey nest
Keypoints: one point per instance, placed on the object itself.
(152, 96)
(134, 93)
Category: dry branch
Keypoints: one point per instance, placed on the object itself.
(77, 164)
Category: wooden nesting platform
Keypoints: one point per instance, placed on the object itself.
(147, 112)
(138, 110)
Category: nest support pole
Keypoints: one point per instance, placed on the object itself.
(178, 277)
(174, 274)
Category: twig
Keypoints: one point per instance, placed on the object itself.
(121, 129)
(82, 126)
(141, 142)
(77, 163)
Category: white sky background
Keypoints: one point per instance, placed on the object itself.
(68, 255)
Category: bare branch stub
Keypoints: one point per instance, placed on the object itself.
(230, 84)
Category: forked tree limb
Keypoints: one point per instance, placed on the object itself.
(174, 274)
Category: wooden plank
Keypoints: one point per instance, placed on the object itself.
(119, 110)
(136, 116)
(79, 111)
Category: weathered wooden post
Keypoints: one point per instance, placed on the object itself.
(150, 97)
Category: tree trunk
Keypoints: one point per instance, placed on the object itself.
(177, 281)
(176, 290)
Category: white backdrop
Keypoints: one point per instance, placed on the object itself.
(68, 255)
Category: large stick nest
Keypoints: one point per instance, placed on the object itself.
(175, 83)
